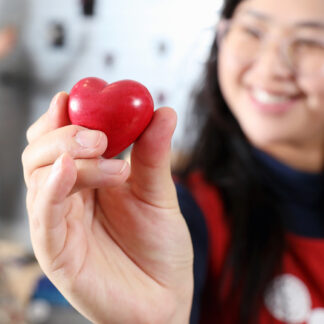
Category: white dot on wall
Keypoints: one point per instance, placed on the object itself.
(288, 299)
(317, 316)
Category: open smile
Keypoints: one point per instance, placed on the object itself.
(270, 102)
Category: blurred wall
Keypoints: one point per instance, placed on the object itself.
(15, 102)
(161, 43)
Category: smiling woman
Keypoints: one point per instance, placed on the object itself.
(246, 215)
(270, 87)
(261, 145)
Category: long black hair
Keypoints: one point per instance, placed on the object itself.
(224, 155)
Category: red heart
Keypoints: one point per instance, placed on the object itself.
(122, 110)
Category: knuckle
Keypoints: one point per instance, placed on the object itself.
(74, 145)
(64, 139)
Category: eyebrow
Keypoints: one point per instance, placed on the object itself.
(302, 24)
(255, 14)
(310, 24)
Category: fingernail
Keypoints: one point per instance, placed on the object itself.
(55, 102)
(112, 166)
(88, 138)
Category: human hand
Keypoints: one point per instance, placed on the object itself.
(111, 237)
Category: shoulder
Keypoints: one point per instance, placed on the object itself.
(200, 196)
(201, 203)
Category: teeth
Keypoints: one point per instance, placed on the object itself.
(267, 98)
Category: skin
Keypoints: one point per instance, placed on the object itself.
(111, 236)
(295, 137)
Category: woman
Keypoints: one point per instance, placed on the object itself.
(261, 145)
(122, 252)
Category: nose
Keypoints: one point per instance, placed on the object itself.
(271, 63)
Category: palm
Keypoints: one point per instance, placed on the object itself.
(125, 241)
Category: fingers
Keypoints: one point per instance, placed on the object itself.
(52, 215)
(151, 160)
(100, 173)
(77, 141)
(48, 223)
(55, 117)
(91, 173)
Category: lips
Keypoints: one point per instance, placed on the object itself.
(266, 97)
(272, 102)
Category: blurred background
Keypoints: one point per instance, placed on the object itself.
(47, 46)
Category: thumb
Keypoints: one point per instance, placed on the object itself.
(151, 161)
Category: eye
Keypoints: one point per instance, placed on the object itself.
(308, 44)
(252, 31)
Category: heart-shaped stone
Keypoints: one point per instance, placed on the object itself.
(122, 110)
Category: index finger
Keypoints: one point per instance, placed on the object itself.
(55, 117)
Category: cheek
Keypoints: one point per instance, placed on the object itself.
(299, 126)
(314, 92)
(262, 129)
(229, 78)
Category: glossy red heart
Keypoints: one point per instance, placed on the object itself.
(122, 110)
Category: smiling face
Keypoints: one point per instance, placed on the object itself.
(273, 103)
